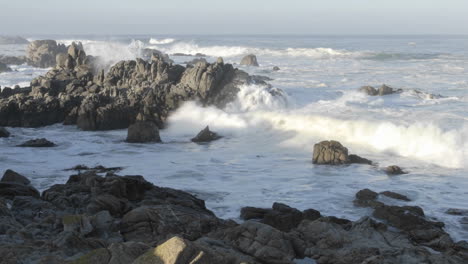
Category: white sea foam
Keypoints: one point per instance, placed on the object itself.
(161, 41)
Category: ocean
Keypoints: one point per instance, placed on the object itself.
(266, 150)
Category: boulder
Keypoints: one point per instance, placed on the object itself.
(330, 152)
(12, 176)
(9, 40)
(12, 189)
(143, 132)
(394, 170)
(206, 136)
(43, 53)
(38, 143)
(249, 60)
(359, 160)
(4, 132)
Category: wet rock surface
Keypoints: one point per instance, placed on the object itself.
(125, 219)
(382, 90)
(333, 153)
(77, 91)
(4, 132)
(206, 135)
(143, 132)
(249, 60)
(37, 143)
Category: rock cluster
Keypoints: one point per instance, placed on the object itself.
(125, 219)
(382, 90)
(42, 53)
(75, 92)
(333, 153)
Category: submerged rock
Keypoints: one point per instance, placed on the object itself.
(382, 90)
(4, 132)
(38, 143)
(249, 60)
(206, 136)
(143, 132)
(394, 170)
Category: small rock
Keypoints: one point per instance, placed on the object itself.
(142, 132)
(4, 132)
(394, 170)
(395, 195)
(37, 143)
(11, 176)
(206, 136)
(276, 68)
(369, 90)
(249, 60)
(455, 211)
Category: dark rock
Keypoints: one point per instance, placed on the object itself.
(249, 60)
(276, 68)
(455, 211)
(248, 213)
(366, 198)
(8, 40)
(12, 189)
(383, 90)
(38, 143)
(4, 68)
(142, 132)
(4, 132)
(11, 176)
(359, 160)
(394, 170)
(206, 136)
(395, 195)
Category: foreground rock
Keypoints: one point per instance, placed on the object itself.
(4, 132)
(249, 60)
(125, 219)
(12, 176)
(382, 90)
(206, 136)
(333, 153)
(8, 40)
(77, 92)
(38, 143)
(143, 132)
(42, 53)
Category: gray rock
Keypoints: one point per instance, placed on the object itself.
(4, 68)
(143, 132)
(4, 132)
(249, 60)
(206, 136)
(382, 90)
(42, 53)
(37, 143)
(330, 152)
(276, 68)
(12, 176)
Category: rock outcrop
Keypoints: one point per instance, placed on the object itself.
(37, 143)
(206, 135)
(42, 53)
(125, 219)
(249, 60)
(76, 92)
(382, 90)
(333, 153)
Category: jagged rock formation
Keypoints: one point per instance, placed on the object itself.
(333, 153)
(125, 219)
(206, 135)
(74, 92)
(42, 53)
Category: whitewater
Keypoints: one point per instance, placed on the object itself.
(269, 132)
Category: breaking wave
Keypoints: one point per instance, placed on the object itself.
(154, 41)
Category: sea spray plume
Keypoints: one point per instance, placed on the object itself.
(161, 41)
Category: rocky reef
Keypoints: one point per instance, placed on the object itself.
(95, 218)
(77, 91)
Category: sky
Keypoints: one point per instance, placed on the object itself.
(234, 17)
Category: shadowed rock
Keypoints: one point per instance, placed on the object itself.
(38, 143)
(382, 90)
(394, 170)
(4, 132)
(143, 132)
(12, 176)
(206, 136)
(4, 68)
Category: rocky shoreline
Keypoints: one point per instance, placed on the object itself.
(100, 217)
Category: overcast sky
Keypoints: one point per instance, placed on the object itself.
(234, 17)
